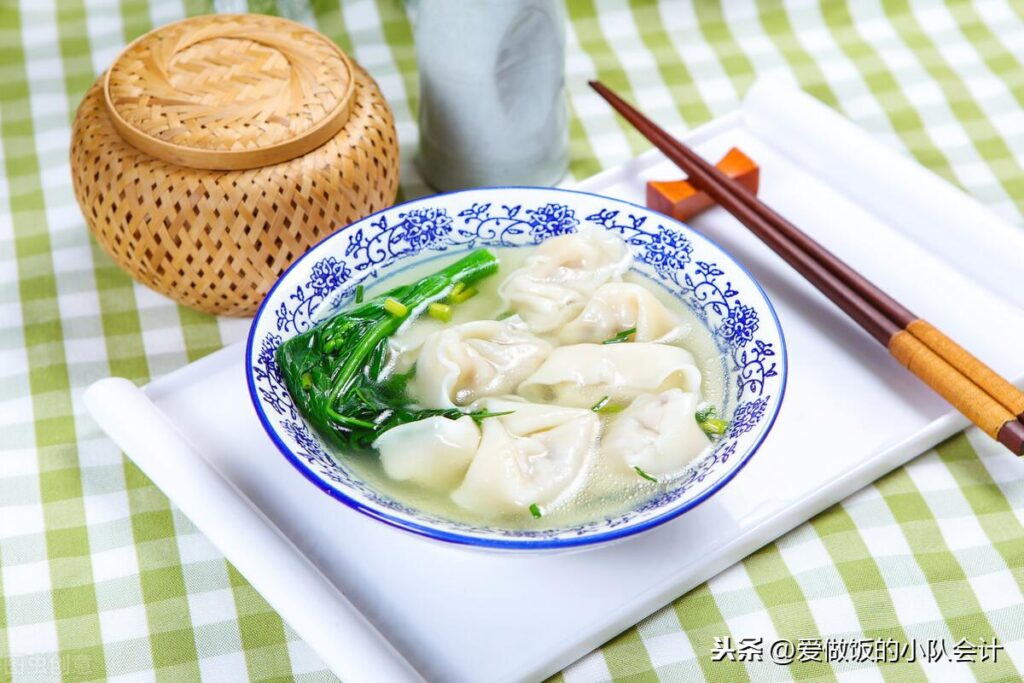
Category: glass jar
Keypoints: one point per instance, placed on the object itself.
(492, 92)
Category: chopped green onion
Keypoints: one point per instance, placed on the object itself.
(606, 407)
(506, 314)
(307, 381)
(457, 289)
(705, 413)
(463, 294)
(621, 336)
(645, 475)
(439, 311)
(359, 294)
(395, 307)
(714, 426)
(535, 511)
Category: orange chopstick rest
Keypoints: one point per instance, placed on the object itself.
(679, 199)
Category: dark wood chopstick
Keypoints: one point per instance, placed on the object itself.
(712, 181)
(972, 387)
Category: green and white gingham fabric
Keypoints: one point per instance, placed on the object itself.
(101, 578)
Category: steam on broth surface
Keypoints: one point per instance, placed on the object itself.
(560, 389)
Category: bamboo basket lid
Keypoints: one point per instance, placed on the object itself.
(228, 92)
(218, 149)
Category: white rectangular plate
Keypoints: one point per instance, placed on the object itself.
(850, 414)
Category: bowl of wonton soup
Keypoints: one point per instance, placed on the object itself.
(517, 368)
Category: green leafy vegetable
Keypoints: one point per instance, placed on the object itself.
(645, 475)
(337, 374)
(712, 426)
(535, 511)
(359, 294)
(621, 337)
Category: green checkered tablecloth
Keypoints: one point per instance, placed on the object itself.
(102, 578)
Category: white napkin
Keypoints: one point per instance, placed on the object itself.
(318, 611)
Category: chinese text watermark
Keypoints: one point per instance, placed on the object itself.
(856, 650)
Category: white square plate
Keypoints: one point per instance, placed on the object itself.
(374, 600)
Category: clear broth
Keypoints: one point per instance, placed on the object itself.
(603, 495)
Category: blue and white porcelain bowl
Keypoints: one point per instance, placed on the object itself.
(703, 276)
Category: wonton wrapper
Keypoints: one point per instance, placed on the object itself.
(583, 374)
(555, 282)
(462, 363)
(619, 306)
(658, 433)
(434, 452)
(538, 454)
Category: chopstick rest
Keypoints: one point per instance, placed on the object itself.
(681, 200)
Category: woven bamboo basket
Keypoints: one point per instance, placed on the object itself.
(218, 149)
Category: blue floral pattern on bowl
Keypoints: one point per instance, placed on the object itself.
(722, 294)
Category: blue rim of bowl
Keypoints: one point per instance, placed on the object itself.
(500, 543)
